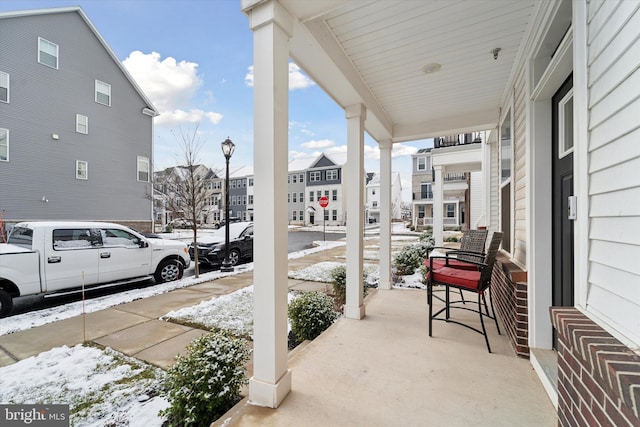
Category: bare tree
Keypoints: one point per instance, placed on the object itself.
(189, 189)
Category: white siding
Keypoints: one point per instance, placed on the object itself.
(614, 161)
(519, 183)
(477, 201)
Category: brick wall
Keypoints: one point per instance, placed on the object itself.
(509, 293)
(598, 376)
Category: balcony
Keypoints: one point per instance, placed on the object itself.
(462, 139)
(423, 196)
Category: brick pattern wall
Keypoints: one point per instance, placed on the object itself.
(598, 376)
(510, 301)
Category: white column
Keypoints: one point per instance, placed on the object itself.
(272, 27)
(385, 214)
(438, 222)
(355, 114)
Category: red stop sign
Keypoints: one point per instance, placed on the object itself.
(323, 201)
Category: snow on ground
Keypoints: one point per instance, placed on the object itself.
(115, 390)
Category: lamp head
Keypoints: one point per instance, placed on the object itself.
(227, 148)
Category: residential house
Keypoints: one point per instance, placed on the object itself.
(171, 199)
(555, 83)
(239, 187)
(373, 204)
(459, 186)
(76, 131)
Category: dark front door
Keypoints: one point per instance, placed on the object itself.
(562, 179)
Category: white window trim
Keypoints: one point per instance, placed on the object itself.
(562, 122)
(7, 87)
(141, 160)
(418, 168)
(79, 124)
(40, 39)
(7, 139)
(98, 82)
(86, 170)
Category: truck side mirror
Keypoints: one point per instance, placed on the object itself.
(144, 243)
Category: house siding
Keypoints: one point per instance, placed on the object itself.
(519, 232)
(45, 101)
(614, 152)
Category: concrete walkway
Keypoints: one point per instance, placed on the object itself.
(382, 370)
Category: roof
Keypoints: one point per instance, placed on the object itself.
(150, 110)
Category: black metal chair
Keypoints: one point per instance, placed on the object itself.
(452, 271)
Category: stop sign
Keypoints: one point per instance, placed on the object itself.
(323, 201)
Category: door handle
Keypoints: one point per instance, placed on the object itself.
(105, 254)
(54, 259)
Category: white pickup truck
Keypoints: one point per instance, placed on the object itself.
(51, 257)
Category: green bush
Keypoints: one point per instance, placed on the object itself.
(451, 239)
(339, 281)
(426, 236)
(206, 382)
(412, 256)
(311, 314)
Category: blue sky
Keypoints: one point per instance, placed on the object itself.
(193, 59)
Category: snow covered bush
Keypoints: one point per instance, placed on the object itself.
(412, 256)
(339, 281)
(205, 383)
(311, 314)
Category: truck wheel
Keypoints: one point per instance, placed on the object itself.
(169, 270)
(6, 304)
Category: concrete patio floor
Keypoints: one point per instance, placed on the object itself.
(384, 370)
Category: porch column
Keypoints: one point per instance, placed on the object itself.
(355, 114)
(272, 27)
(438, 222)
(385, 214)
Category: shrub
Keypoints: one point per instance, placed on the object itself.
(451, 239)
(206, 382)
(412, 256)
(426, 236)
(339, 281)
(311, 314)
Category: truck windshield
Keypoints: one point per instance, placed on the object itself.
(21, 236)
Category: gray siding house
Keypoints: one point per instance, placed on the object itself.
(76, 132)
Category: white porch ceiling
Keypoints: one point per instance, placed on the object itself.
(373, 51)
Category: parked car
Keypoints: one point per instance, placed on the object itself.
(224, 222)
(181, 223)
(211, 248)
(51, 257)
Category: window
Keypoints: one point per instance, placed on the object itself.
(250, 182)
(244, 199)
(103, 93)
(301, 178)
(334, 215)
(288, 179)
(288, 197)
(143, 169)
(315, 176)
(82, 171)
(294, 215)
(82, 124)
(318, 194)
(311, 196)
(421, 211)
(75, 238)
(295, 197)
(423, 163)
(4, 87)
(326, 193)
(47, 53)
(301, 215)
(295, 178)
(332, 175)
(4, 145)
(506, 157)
(426, 191)
(119, 238)
(301, 197)
(334, 195)
(326, 215)
(374, 204)
(250, 199)
(566, 125)
(244, 183)
(451, 210)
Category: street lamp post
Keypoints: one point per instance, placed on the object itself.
(227, 149)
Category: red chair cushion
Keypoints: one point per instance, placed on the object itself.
(467, 279)
(441, 262)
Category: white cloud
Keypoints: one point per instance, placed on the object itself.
(323, 143)
(297, 79)
(399, 150)
(170, 85)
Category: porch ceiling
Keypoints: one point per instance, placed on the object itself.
(373, 52)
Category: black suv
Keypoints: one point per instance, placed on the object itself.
(211, 248)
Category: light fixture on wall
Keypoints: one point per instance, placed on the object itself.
(495, 53)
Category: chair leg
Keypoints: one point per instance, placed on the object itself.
(462, 296)
(484, 330)
(447, 302)
(493, 310)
